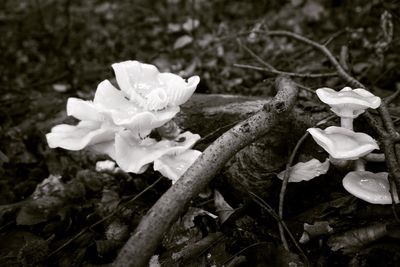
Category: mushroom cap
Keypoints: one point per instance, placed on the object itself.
(368, 186)
(342, 143)
(347, 102)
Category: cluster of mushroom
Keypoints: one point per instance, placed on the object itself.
(118, 122)
(342, 143)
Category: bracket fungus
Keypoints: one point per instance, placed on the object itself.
(348, 103)
(370, 187)
(342, 143)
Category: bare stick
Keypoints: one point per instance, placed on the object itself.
(271, 211)
(284, 185)
(292, 74)
(256, 57)
(141, 246)
(347, 77)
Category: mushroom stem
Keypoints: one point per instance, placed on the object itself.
(375, 157)
(359, 165)
(339, 163)
(346, 123)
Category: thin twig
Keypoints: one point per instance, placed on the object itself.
(392, 196)
(387, 120)
(392, 97)
(291, 74)
(287, 175)
(118, 209)
(284, 185)
(241, 251)
(281, 223)
(333, 37)
(256, 57)
(308, 89)
(347, 77)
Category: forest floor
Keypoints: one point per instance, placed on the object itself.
(53, 50)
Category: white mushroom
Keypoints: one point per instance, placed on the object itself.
(342, 143)
(371, 187)
(348, 103)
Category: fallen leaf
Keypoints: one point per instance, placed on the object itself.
(182, 42)
(305, 171)
(222, 207)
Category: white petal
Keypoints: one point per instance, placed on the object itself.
(78, 137)
(173, 167)
(305, 171)
(82, 110)
(139, 80)
(136, 79)
(107, 148)
(132, 153)
(178, 90)
(142, 123)
(109, 97)
(157, 99)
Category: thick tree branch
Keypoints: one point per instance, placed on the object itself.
(141, 246)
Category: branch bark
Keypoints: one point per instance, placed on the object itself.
(141, 246)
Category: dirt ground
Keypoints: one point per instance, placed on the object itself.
(52, 50)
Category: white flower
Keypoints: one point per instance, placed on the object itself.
(117, 122)
(133, 155)
(144, 84)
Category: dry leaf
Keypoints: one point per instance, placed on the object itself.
(305, 171)
(182, 42)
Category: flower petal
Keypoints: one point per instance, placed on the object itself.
(178, 90)
(145, 85)
(136, 79)
(132, 153)
(109, 97)
(173, 167)
(83, 110)
(78, 137)
(107, 148)
(142, 123)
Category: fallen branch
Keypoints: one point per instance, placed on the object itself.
(147, 236)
